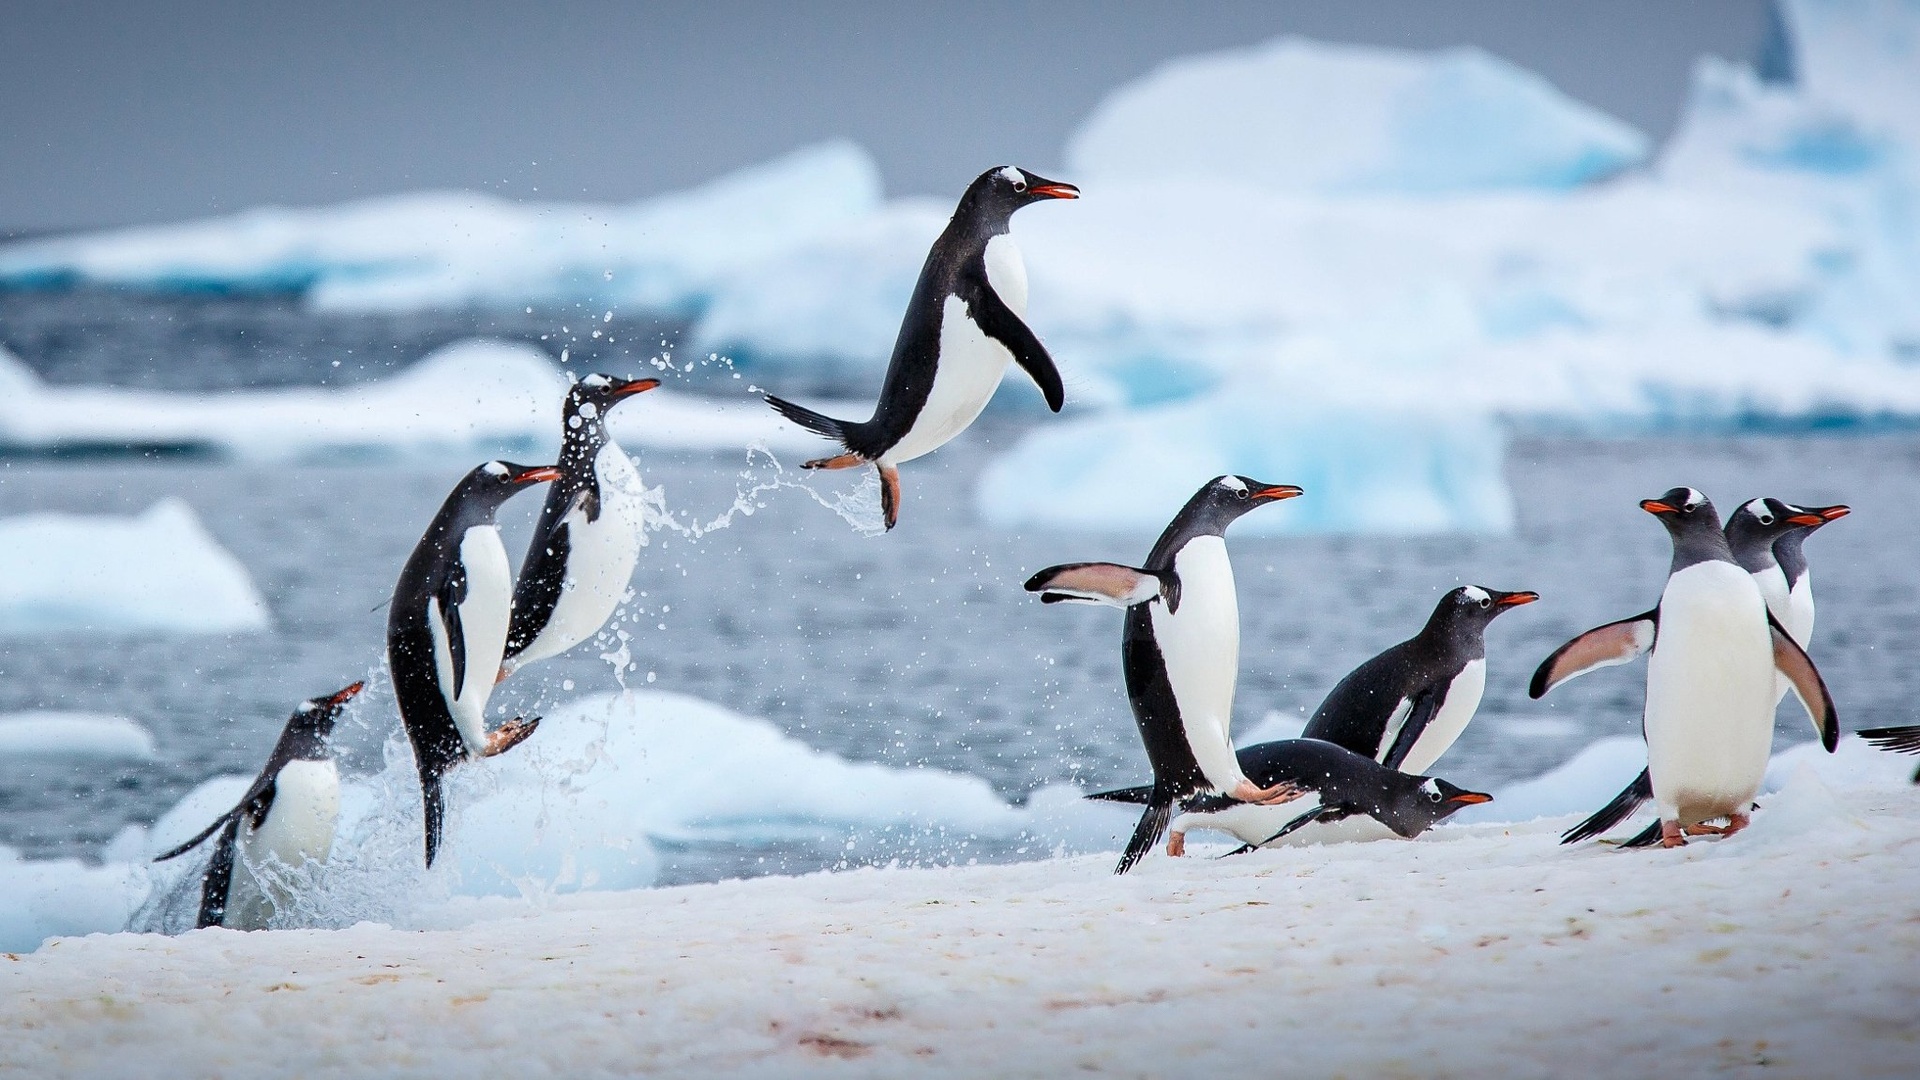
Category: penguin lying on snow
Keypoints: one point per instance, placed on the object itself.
(287, 815)
(1755, 533)
(1180, 650)
(1710, 680)
(447, 632)
(1343, 782)
(965, 323)
(588, 539)
(1406, 706)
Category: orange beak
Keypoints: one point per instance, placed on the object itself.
(539, 475)
(637, 386)
(1470, 798)
(345, 695)
(1655, 506)
(1518, 598)
(1278, 492)
(1807, 519)
(1055, 191)
(1835, 513)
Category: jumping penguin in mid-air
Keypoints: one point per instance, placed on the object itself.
(447, 632)
(1755, 534)
(589, 535)
(287, 817)
(1406, 706)
(1180, 650)
(1708, 722)
(965, 323)
(1343, 783)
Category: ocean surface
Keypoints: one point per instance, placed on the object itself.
(915, 648)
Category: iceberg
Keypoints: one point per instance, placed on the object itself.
(73, 734)
(474, 397)
(1298, 115)
(160, 571)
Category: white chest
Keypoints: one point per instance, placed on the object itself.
(299, 825)
(1007, 273)
(1463, 700)
(483, 623)
(601, 555)
(1200, 645)
(1710, 693)
(1799, 619)
(969, 370)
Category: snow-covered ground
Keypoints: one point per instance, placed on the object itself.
(160, 570)
(1479, 950)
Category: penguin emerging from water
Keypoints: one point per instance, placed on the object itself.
(1180, 650)
(1708, 722)
(1343, 783)
(965, 323)
(287, 816)
(1406, 706)
(447, 632)
(1754, 533)
(589, 535)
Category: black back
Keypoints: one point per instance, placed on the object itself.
(1351, 783)
(536, 592)
(1356, 711)
(955, 266)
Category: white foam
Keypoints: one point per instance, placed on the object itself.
(73, 734)
(159, 571)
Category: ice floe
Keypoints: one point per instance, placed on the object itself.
(52, 733)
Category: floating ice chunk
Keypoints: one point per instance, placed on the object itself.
(74, 734)
(159, 571)
(1376, 471)
(1301, 115)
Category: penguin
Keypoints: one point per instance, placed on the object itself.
(286, 816)
(1788, 552)
(1343, 783)
(1753, 532)
(1708, 721)
(1406, 706)
(965, 323)
(589, 534)
(447, 632)
(1180, 650)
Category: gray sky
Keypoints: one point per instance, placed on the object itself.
(142, 111)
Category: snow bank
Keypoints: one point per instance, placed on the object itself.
(1485, 944)
(159, 571)
(1305, 116)
(73, 734)
(475, 397)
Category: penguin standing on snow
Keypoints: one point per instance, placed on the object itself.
(1180, 650)
(287, 816)
(447, 632)
(589, 535)
(965, 323)
(1710, 681)
(1406, 706)
(1342, 782)
(1788, 552)
(1754, 534)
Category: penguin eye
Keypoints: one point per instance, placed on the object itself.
(1766, 519)
(1019, 185)
(1486, 602)
(1433, 796)
(1242, 493)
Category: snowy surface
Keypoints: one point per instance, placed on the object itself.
(473, 397)
(73, 734)
(159, 571)
(1484, 950)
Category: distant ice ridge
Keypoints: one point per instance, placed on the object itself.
(159, 571)
(52, 733)
(476, 397)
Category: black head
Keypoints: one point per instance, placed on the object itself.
(1218, 503)
(1470, 608)
(1807, 519)
(997, 193)
(1693, 524)
(589, 400)
(311, 725)
(493, 483)
(1752, 530)
(1423, 802)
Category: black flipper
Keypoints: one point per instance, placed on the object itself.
(199, 837)
(452, 592)
(1241, 850)
(434, 803)
(1900, 740)
(818, 423)
(1602, 646)
(537, 592)
(1105, 583)
(1139, 795)
(1426, 705)
(1792, 661)
(992, 315)
(1647, 837)
(218, 883)
(1153, 823)
(1631, 798)
(1308, 818)
(254, 805)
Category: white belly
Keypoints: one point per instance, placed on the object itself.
(1710, 681)
(969, 371)
(1773, 589)
(1463, 699)
(1799, 617)
(1253, 824)
(600, 559)
(483, 619)
(1200, 645)
(299, 826)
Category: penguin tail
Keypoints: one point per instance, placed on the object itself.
(433, 800)
(1647, 837)
(1138, 795)
(1147, 833)
(1623, 805)
(818, 423)
(1900, 740)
